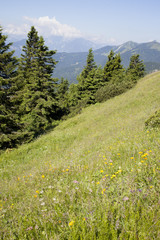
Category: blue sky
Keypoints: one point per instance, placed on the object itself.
(112, 22)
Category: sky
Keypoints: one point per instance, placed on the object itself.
(104, 21)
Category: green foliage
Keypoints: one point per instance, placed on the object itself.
(37, 97)
(154, 120)
(32, 101)
(136, 67)
(90, 65)
(8, 119)
(113, 66)
(62, 97)
(118, 85)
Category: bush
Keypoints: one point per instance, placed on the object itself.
(114, 88)
(154, 120)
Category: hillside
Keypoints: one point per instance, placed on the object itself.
(95, 176)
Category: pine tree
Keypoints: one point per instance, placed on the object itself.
(8, 119)
(37, 97)
(112, 67)
(136, 67)
(86, 81)
(90, 65)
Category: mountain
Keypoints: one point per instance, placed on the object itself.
(71, 64)
(60, 44)
(72, 53)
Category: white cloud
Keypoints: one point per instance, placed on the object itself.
(45, 26)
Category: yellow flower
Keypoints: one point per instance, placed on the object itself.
(101, 171)
(18, 178)
(103, 191)
(43, 176)
(98, 182)
(71, 223)
(132, 157)
(35, 196)
(37, 191)
(111, 164)
(151, 186)
(67, 170)
(113, 176)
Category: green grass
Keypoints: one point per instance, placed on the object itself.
(96, 176)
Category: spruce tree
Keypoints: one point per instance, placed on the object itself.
(90, 64)
(86, 85)
(38, 103)
(8, 118)
(113, 66)
(136, 67)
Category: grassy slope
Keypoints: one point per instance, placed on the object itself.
(68, 167)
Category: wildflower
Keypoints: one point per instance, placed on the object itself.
(67, 170)
(29, 228)
(106, 163)
(118, 154)
(132, 157)
(111, 164)
(71, 223)
(103, 191)
(37, 191)
(113, 176)
(101, 171)
(75, 181)
(98, 182)
(43, 176)
(18, 178)
(151, 186)
(35, 196)
(125, 198)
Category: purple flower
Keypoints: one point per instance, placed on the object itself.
(75, 181)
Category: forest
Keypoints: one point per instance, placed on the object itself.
(32, 102)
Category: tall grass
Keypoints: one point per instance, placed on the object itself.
(96, 176)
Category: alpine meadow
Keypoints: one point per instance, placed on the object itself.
(79, 161)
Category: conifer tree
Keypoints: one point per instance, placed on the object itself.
(8, 119)
(136, 67)
(38, 103)
(90, 64)
(86, 85)
(113, 66)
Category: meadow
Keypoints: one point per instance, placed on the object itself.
(95, 176)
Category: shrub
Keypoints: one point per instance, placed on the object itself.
(114, 88)
(154, 120)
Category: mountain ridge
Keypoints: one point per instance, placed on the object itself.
(70, 64)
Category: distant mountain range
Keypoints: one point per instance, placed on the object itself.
(71, 54)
